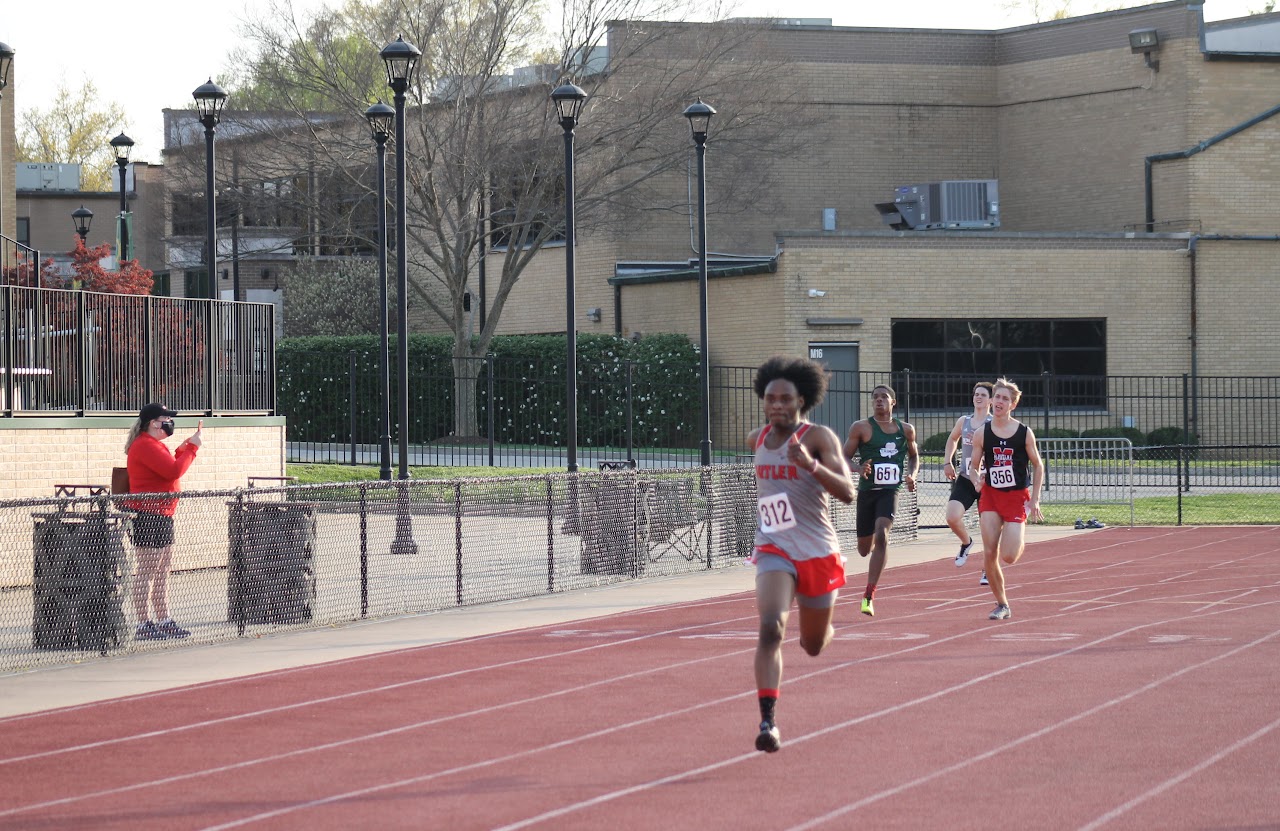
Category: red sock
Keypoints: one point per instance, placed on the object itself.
(871, 591)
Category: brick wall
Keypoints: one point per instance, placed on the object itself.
(40, 453)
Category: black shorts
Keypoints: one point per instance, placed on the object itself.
(152, 530)
(963, 491)
(874, 505)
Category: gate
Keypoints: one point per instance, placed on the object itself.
(1090, 471)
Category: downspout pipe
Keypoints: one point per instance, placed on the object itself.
(1193, 243)
(1151, 160)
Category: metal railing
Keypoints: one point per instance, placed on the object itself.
(19, 264)
(77, 352)
(514, 410)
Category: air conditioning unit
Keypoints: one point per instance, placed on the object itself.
(959, 204)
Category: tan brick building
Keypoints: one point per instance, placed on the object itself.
(1064, 115)
(1137, 232)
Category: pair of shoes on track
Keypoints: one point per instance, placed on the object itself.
(963, 556)
(167, 630)
(1092, 523)
(769, 739)
(1000, 612)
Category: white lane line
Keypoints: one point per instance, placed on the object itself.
(182, 728)
(1181, 777)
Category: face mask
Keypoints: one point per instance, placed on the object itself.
(167, 427)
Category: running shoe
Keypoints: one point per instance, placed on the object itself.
(1093, 523)
(147, 631)
(769, 739)
(983, 581)
(169, 629)
(867, 608)
(963, 556)
(1000, 612)
(1080, 526)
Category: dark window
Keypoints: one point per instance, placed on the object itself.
(526, 202)
(23, 231)
(1072, 352)
(189, 215)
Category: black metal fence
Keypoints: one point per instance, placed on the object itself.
(77, 352)
(511, 413)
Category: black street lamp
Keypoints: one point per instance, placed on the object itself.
(569, 100)
(381, 120)
(401, 58)
(699, 115)
(83, 218)
(210, 99)
(122, 144)
(6, 61)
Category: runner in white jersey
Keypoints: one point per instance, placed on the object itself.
(797, 554)
(963, 493)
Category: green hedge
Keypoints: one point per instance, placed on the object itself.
(529, 393)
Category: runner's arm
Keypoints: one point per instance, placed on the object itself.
(913, 456)
(1037, 477)
(949, 452)
(819, 453)
(975, 461)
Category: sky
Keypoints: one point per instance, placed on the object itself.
(166, 51)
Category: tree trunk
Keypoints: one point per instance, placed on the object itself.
(466, 383)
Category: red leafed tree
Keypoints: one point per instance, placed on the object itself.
(89, 275)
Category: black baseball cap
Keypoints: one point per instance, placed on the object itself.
(154, 411)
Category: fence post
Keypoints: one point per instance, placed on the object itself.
(9, 327)
(1180, 450)
(1186, 433)
(237, 562)
(1045, 378)
(551, 539)
(457, 538)
(364, 550)
(630, 392)
(490, 406)
(208, 346)
(148, 370)
(351, 402)
(82, 355)
(906, 395)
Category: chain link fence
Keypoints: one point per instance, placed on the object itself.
(261, 559)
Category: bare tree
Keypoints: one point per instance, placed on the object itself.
(485, 152)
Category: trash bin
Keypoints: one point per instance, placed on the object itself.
(79, 577)
(608, 523)
(271, 574)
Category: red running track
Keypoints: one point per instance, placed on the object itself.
(1135, 688)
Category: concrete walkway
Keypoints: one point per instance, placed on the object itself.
(132, 674)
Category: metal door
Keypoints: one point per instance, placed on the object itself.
(840, 408)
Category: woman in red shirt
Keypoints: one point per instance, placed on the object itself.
(154, 469)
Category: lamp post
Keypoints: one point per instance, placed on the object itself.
(381, 120)
(122, 144)
(401, 58)
(6, 61)
(699, 115)
(210, 99)
(83, 218)
(569, 100)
